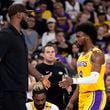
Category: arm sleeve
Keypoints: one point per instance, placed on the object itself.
(92, 79)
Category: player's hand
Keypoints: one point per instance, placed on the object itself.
(45, 81)
(66, 82)
(69, 106)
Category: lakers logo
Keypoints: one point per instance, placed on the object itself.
(82, 63)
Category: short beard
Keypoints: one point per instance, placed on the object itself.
(38, 108)
(81, 47)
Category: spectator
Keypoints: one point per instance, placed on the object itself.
(102, 41)
(74, 56)
(107, 80)
(50, 4)
(100, 8)
(107, 55)
(83, 17)
(108, 13)
(59, 57)
(107, 106)
(107, 84)
(73, 8)
(64, 21)
(88, 8)
(107, 71)
(46, 14)
(63, 47)
(102, 19)
(49, 35)
(31, 4)
(96, 4)
(39, 99)
(41, 25)
(31, 36)
(55, 94)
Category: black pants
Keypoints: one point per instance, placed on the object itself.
(12, 101)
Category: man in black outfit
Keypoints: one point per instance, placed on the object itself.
(14, 66)
(55, 94)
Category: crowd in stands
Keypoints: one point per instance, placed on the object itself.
(53, 22)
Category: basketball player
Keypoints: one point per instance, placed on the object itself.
(90, 68)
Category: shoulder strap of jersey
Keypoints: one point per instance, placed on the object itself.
(48, 106)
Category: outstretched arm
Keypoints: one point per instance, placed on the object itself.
(34, 72)
(97, 60)
(39, 76)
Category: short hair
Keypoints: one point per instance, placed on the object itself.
(38, 88)
(31, 16)
(15, 8)
(60, 30)
(43, 2)
(88, 1)
(49, 44)
(58, 4)
(89, 29)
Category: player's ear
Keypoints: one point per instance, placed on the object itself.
(87, 37)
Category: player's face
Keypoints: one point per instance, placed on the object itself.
(49, 54)
(39, 101)
(80, 38)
